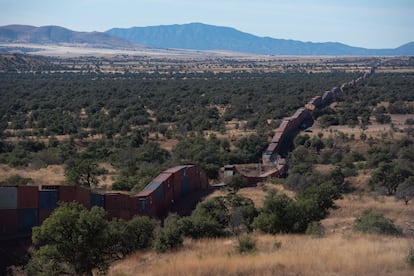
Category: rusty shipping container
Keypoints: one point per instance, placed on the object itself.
(75, 193)
(8, 222)
(27, 197)
(168, 188)
(134, 205)
(148, 204)
(117, 205)
(27, 218)
(8, 198)
(177, 175)
(44, 214)
(193, 178)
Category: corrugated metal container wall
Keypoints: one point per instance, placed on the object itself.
(8, 222)
(27, 197)
(8, 198)
(168, 187)
(177, 178)
(67, 193)
(83, 196)
(97, 200)
(134, 206)
(27, 219)
(117, 206)
(75, 193)
(111, 201)
(44, 214)
(48, 199)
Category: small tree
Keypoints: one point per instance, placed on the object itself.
(405, 190)
(82, 172)
(235, 182)
(170, 236)
(72, 240)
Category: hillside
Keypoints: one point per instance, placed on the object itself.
(59, 35)
(198, 36)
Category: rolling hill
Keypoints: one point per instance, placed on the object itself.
(60, 35)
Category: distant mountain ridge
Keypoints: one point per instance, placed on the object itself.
(193, 36)
(198, 36)
(56, 35)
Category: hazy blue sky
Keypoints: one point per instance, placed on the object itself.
(365, 23)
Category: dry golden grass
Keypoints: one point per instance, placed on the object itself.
(298, 255)
(341, 252)
(53, 174)
(352, 205)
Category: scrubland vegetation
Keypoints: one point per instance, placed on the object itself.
(345, 208)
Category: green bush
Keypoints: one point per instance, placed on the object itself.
(170, 236)
(374, 222)
(247, 245)
(315, 229)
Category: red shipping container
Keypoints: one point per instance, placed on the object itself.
(44, 214)
(118, 214)
(27, 197)
(8, 222)
(75, 193)
(192, 178)
(134, 205)
(83, 196)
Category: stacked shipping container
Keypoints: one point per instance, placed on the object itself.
(23, 207)
(8, 210)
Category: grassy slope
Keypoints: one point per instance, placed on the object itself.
(340, 252)
(336, 254)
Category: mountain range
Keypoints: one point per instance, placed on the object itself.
(193, 36)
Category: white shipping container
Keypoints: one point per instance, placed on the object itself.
(8, 198)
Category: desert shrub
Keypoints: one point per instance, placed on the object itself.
(246, 245)
(315, 229)
(277, 245)
(235, 182)
(209, 219)
(170, 236)
(409, 121)
(374, 222)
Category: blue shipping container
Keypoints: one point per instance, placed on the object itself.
(27, 218)
(97, 200)
(184, 182)
(8, 198)
(48, 199)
